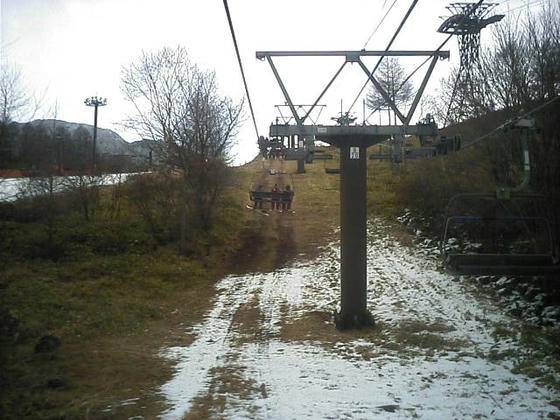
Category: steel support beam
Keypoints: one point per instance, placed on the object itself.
(353, 142)
(373, 132)
(397, 148)
(284, 91)
(94, 153)
(353, 259)
(383, 92)
(421, 90)
(261, 55)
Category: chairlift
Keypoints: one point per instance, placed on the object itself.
(272, 186)
(332, 171)
(272, 148)
(490, 234)
(505, 233)
(328, 169)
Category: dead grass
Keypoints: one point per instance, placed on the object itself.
(246, 323)
(102, 363)
(114, 357)
(228, 388)
(318, 327)
(113, 315)
(426, 335)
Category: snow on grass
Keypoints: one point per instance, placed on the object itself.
(440, 350)
(12, 189)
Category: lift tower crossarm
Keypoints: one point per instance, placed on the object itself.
(355, 57)
(261, 55)
(371, 131)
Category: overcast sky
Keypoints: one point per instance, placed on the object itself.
(73, 49)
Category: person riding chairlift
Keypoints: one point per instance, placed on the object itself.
(258, 198)
(275, 202)
(287, 198)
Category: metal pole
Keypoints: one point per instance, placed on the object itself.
(301, 160)
(95, 102)
(93, 160)
(353, 259)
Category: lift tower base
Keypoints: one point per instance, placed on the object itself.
(353, 142)
(353, 216)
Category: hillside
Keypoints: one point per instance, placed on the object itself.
(243, 322)
(45, 141)
(113, 296)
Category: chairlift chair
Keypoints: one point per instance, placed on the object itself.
(262, 183)
(330, 170)
(499, 236)
(505, 233)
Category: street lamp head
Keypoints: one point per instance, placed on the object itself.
(95, 101)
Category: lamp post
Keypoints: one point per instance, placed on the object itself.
(96, 102)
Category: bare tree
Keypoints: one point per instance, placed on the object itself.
(178, 106)
(543, 40)
(77, 152)
(15, 100)
(83, 188)
(520, 72)
(392, 78)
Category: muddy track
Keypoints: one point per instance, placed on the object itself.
(267, 240)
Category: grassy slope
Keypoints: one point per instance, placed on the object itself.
(114, 312)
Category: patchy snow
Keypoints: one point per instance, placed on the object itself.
(12, 189)
(442, 350)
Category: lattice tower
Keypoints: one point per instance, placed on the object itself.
(466, 21)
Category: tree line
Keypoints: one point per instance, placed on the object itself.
(38, 149)
(518, 72)
(191, 128)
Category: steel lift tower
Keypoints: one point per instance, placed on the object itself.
(353, 140)
(466, 21)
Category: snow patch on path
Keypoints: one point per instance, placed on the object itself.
(463, 373)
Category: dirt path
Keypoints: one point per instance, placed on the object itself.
(268, 348)
(270, 238)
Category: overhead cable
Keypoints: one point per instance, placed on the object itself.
(386, 49)
(241, 67)
(475, 6)
(379, 24)
(527, 5)
(499, 128)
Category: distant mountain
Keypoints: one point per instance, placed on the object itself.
(48, 143)
(108, 142)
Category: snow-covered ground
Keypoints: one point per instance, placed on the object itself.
(441, 349)
(13, 188)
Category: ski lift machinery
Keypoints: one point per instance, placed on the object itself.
(297, 146)
(514, 225)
